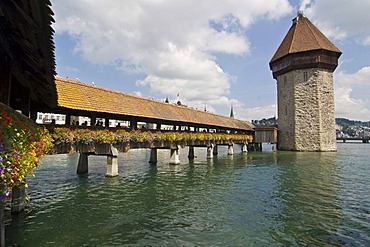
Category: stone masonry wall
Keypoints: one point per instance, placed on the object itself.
(286, 108)
(306, 111)
(328, 136)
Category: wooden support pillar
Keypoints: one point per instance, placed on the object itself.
(68, 119)
(230, 150)
(244, 148)
(175, 156)
(112, 166)
(153, 156)
(93, 120)
(18, 199)
(158, 126)
(83, 164)
(191, 155)
(210, 151)
(106, 122)
(133, 124)
(215, 150)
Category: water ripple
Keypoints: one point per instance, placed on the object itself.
(259, 199)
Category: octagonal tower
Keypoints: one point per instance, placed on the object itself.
(303, 66)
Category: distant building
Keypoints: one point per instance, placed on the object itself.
(303, 66)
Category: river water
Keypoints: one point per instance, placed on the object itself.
(254, 199)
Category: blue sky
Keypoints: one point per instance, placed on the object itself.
(212, 53)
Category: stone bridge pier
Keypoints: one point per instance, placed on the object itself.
(112, 155)
(112, 162)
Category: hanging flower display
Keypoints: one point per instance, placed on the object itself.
(86, 136)
(22, 143)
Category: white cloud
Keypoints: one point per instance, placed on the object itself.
(352, 94)
(340, 19)
(256, 112)
(174, 43)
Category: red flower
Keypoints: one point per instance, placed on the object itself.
(8, 120)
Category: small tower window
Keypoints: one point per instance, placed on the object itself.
(285, 79)
(305, 77)
(286, 110)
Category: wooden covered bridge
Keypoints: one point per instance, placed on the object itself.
(100, 106)
(28, 84)
(75, 98)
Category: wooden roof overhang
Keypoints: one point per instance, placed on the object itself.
(27, 61)
(322, 59)
(82, 99)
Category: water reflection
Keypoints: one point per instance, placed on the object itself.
(305, 198)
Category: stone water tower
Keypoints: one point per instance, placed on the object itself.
(303, 66)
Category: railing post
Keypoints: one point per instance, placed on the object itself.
(133, 124)
(106, 122)
(93, 120)
(68, 119)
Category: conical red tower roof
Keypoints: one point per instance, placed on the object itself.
(303, 36)
(303, 47)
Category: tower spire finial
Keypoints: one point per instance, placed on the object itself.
(232, 111)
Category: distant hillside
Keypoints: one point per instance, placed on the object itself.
(348, 122)
(265, 122)
(339, 121)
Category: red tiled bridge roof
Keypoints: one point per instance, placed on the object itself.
(84, 97)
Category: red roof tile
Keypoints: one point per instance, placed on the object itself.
(303, 36)
(81, 96)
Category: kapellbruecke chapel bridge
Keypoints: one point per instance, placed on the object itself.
(303, 66)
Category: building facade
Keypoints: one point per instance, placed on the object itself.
(303, 67)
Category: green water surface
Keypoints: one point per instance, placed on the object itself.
(254, 199)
